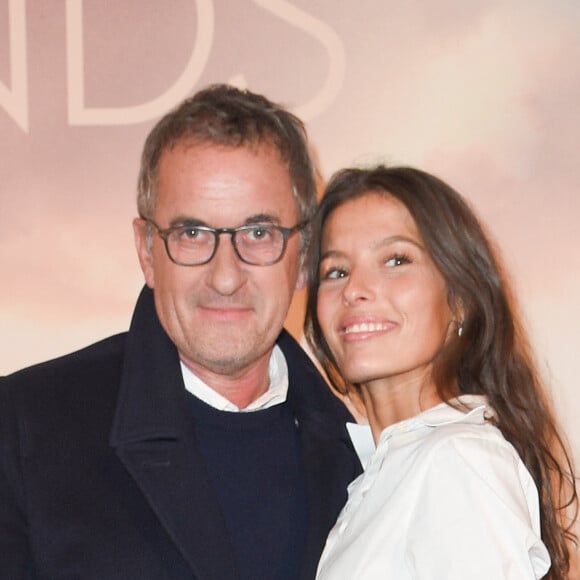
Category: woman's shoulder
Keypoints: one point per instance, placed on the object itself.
(481, 459)
(474, 444)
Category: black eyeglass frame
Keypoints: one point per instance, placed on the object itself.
(217, 232)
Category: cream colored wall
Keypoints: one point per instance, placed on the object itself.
(483, 93)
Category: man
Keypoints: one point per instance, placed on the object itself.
(202, 443)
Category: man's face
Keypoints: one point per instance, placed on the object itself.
(223, 316)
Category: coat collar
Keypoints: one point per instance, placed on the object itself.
(155, 440)
(156, 443)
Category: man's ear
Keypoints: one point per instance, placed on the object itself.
(143, 247)
(302, 278)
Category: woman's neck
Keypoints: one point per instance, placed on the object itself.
(388, 401)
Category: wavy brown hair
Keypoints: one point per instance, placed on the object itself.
(492, 356)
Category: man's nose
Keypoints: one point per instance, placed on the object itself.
(226, 270)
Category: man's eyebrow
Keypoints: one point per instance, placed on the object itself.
(186, 221)
(261, 218)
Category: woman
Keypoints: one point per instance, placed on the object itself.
(407, 309)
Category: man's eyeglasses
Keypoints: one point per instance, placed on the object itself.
(256, 244)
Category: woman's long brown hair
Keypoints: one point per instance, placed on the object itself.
(492, 356)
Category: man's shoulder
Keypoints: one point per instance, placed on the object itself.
(302, 372)
(72, 395)
(98, 360)
(308, 390)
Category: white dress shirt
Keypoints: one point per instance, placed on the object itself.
(276, 393)
(444, 497)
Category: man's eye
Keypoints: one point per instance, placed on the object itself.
(192, 234)
(259, 233)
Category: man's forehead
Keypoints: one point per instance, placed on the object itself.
(225, 186)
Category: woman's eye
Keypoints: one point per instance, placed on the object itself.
(396, 261)
(333, 274)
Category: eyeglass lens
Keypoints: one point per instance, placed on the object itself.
(255, 244)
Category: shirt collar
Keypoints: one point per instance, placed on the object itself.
(362, 441)
(276, 393)
(478, 410)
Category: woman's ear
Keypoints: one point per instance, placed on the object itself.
(458, 313)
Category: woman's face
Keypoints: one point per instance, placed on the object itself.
(382, 304)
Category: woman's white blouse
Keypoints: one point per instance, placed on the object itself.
(444, 497)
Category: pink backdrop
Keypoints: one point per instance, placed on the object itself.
(483, 93)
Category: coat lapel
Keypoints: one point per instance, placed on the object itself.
(154, 439)
(328, 469)
(330, 462)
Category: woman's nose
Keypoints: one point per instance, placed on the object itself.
(358, 288)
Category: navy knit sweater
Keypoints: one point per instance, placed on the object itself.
(254, 462)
